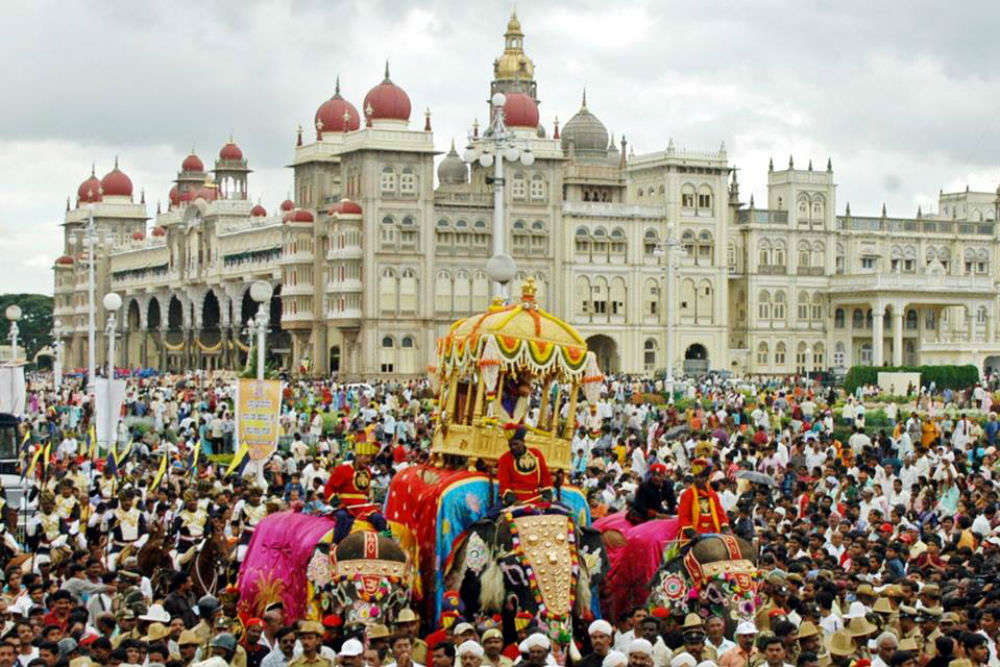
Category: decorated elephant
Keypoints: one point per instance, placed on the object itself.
(540, 558)
(650, 565)
(365, 578)
(715, 574)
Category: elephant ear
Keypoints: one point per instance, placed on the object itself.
(583, 592)
(491, 590)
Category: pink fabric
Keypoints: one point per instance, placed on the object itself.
(630, 568)
(280, 551)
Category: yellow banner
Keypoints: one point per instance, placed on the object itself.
(258, 406)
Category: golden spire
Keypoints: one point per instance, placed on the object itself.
(513, 64)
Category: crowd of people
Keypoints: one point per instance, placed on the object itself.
(875, 526)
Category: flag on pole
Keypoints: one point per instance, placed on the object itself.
(45, 458)
(121, 456)
(112, 461)
(34, 461)
(195, 455)
(92, 437)
(160, 472)
(239, 460)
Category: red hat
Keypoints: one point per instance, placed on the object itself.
(658, 467)
(775, 613)
(255, 622)
(886, 527)
(660, 612)
(332, 621)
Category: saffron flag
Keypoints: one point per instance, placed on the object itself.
(160, 472)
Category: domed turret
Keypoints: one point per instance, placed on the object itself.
(90, 190)
(175, 196)
(331, 113)
(258, 211)
(387, 101)
(230, 151)
(452, 170)
(519, 110)
(192, 163)
(287, 205)
(586, 133)
(116, 183)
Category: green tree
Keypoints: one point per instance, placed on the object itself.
(35, 327)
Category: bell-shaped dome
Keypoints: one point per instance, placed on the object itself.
(333, 111)
(452, 170)
(116, 183)
(586, 133)
(387, 101)
(90, 190)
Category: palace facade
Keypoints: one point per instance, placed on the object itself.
(386, 241)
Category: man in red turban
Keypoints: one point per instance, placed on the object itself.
(522, 473)
(700, 511)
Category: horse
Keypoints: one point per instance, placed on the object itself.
(209, 568)
(154, 557)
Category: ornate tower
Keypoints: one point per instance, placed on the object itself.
(513, 71)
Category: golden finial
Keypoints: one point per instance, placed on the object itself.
(497, 304)
(528, 289)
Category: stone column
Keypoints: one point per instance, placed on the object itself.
(990, 314)
(878, 313)
(897, 334)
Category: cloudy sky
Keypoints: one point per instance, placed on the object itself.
(903, 95)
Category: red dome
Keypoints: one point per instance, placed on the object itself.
(65, 260)
(192, 163)
(298, 215)
(331, 113)
(159, 230)
(346, 207)
(175, 196)
(230, 152)
(287, 205)
(138, 236)
(520, 110)
(387, 101)
(207, 193)
(89, 190)
(258, 211)
(116, 183)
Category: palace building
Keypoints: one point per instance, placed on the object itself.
(386, 242)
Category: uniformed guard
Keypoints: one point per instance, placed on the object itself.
(246, 515)
(189, 524)
(522, 472)
(126, 525)
(310, 635)
(47, 533)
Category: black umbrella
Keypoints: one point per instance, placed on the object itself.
(755, 477)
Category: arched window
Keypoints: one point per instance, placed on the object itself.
(779, 305)
(480, 291)
(599, 292)
(617, 241)
(408, 182)
(650, 241)
(688, 298)
(582, 296)
(688, 196)
(600, 242)
(779, 253)
(538, 187)
(816, 308)
(518, 187)
(688, 242)
(765, 257)
(651, 295)
(801, 357)
(912, 321)
(839, 355)
(779, 354)
(803, 207)
(388, 291)
(649, 354)
(818, 353)
(387, 355)
(838, 318)
(442, 292)
(805, 254)
(764, 305)
(704, 302)
(408, 291)
(818, 255)
(802, 304)
(582, 240)
(818, 208)
(463, 292)
(762, 354)
(705, 200)
(857, 319)
(618, 296)
(387, 183)
(706, 246)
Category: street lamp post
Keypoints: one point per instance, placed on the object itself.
(56, 353)
(13, 314)
(91, 308)
(261, 291)
(496, 145)
(666, 250)
(112, 302)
